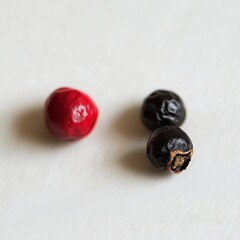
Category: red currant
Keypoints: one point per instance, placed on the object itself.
(70, 113)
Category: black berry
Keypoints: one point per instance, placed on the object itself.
(170, 148)
(162, 108)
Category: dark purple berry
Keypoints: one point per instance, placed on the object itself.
(162, 108)
(170, 148)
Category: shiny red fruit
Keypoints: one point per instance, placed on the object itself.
(70, 113)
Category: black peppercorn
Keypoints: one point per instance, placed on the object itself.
(170, 148)
(162, 108)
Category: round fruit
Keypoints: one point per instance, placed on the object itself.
(170, 148)
(162, 108)
(70, 113)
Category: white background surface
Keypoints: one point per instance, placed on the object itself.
(118, 52)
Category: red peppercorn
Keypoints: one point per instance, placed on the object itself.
(70, 113)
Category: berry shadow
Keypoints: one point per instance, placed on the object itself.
(30, 127)
(137, 162)
(128, 123)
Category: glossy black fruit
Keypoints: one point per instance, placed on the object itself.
(162, 108)
(170, 148)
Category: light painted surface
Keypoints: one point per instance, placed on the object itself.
(119, 51)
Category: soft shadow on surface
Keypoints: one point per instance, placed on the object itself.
(128, 123)
(136, 161)
(29, 127)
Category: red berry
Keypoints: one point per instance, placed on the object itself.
(70, 114)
